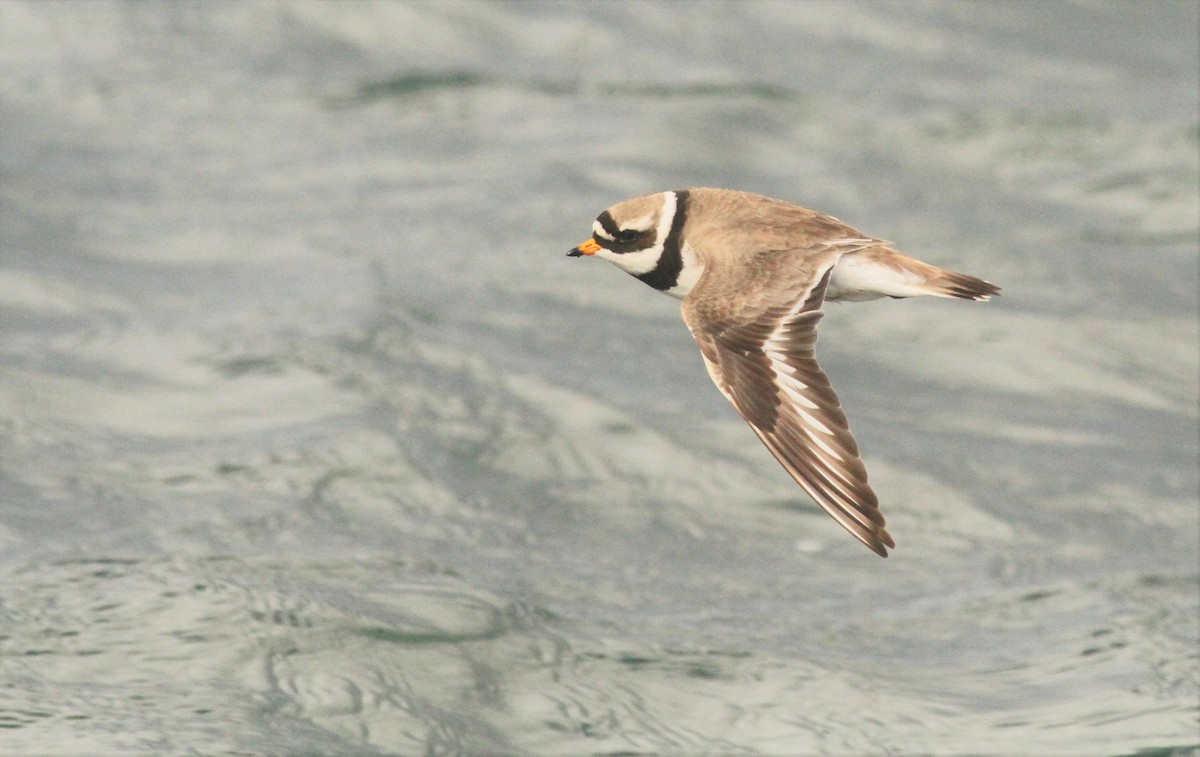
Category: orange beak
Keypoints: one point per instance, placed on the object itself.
(590, 247)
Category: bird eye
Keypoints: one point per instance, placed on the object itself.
(627, 235)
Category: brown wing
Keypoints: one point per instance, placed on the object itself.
(767, 368)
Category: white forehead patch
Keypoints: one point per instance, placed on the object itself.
(599, 231)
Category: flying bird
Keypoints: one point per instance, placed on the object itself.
(753, 273)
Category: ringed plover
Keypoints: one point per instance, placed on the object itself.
(753, 273)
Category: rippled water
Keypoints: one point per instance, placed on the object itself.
(312, 441)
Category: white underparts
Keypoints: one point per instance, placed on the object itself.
(857, 277)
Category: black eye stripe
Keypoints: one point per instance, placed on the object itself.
(623, 240)
(638, 240)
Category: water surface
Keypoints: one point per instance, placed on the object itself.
(313, 441)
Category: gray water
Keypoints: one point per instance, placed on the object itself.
(312, 440)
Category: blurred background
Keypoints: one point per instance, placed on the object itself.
(312, 440)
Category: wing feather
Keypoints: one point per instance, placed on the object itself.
(764, 362)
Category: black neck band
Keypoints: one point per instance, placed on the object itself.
(665, 275)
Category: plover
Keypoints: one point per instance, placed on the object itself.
(752, 273)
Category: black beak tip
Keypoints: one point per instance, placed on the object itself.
(574, 252)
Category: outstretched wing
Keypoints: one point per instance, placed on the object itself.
(764, 362)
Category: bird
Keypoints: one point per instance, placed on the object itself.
(753, 274)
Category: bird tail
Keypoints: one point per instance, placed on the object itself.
(883, 272)
(960, 285)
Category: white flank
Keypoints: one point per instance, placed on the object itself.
(858, 278)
